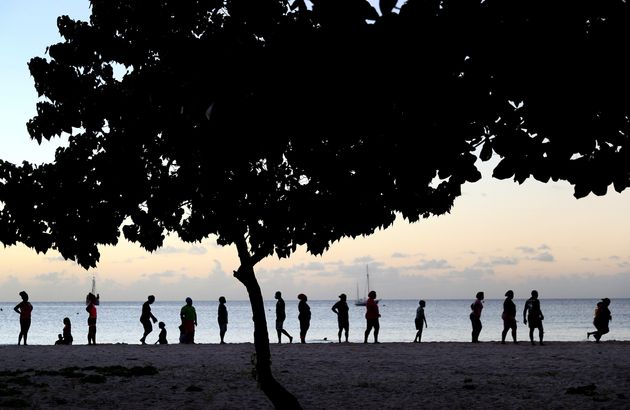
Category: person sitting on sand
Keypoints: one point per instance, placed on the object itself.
(146, 317)
(475, 316)
(189, 321)
(420, 321)
(281, 317)
(162, 336)
(304, 316)
(24, 308)
(341, 310)
(371, 316)
(533, 316)
(67, 331)
(222, 318)
(509, 316)
(601, 319)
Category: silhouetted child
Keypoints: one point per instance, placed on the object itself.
(222, 318)
(59, 339)
(162, 336)
(601, 319)
(420, 321)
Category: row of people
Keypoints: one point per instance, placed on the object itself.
(532, 316)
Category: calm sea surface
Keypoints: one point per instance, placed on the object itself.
(118, 322)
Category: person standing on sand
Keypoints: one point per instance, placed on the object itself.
(601, 319)
(304, 316)
(341, 310)
(222, 318)
(420, 321)
(371, 316)
(24, 309)
(534, 316)
(475, 316)
(509, 316)
(188, 314)
(91, 309)
(146, 317)
(280, 318)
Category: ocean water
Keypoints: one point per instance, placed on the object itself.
(118, 322)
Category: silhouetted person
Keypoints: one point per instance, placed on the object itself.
(371, 317)
(188, 315)
(146, 317)
(475, 316)
(65, 338)
(509, 316)
(280, 318)
(222, 318)
(24, 309)
(91, 309)
(601, 319)
(533, 316)
(341, 309)
(162, 336)
(304, 316)
(420, 321)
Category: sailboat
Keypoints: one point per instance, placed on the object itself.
(362, 301)
(93, 292)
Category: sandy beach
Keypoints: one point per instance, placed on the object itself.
(323, 376)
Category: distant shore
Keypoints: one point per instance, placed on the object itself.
(322, 376)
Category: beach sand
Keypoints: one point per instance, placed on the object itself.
(323, 376)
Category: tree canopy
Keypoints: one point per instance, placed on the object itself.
(299, 127)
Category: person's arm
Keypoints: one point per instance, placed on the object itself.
(334, 309)
(17, 308)
(425, 320)
(153, 317)
(525, 312)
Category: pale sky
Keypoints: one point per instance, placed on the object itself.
(499, 236)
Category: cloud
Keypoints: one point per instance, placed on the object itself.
(544, 247)
(526, 249)
(614, 257)
(398, 255)
(433, 264)
(192, 250)
(160, 275)
(543, 257)
(364, 259)
(505, 260)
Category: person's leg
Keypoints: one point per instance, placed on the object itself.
(420, 335)
(541, 332)
(339, 332)
(377, 326)
(347, 330)
(514, 332)
(288, 335)
(531, 334)
(506, 327)
(367, 331)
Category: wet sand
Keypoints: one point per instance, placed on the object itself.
(323, 376)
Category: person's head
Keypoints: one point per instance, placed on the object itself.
(509, 294)
(535, 294)
(372, 295)
(278, 295)
(66, 321)
(302, 296)
(343, 297)
(24, 296)
(161, 325)
(422, 303)
(189, 301)
(480, 295)
(91, 297)
(606, 302)
(59, 336)
(222, 299)
(151, 298)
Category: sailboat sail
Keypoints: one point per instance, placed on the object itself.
(361, 301)
(93, 292)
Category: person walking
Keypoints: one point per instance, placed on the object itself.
(601, 319)
(304, 316)
(341, 309)
(222, 318)
(475, 316)
(509, 316)
(533, 316)
(371, 316)
(420, 322)
(146, 317)
(280, 318)
(24, 309)
(91, 309)
(188, 315)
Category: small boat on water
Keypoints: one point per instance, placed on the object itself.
(93, 292)
(362, 301)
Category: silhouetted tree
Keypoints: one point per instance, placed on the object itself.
(273, 125)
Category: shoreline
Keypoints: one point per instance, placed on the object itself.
(320, 375)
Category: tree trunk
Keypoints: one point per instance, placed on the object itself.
(279, 396)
